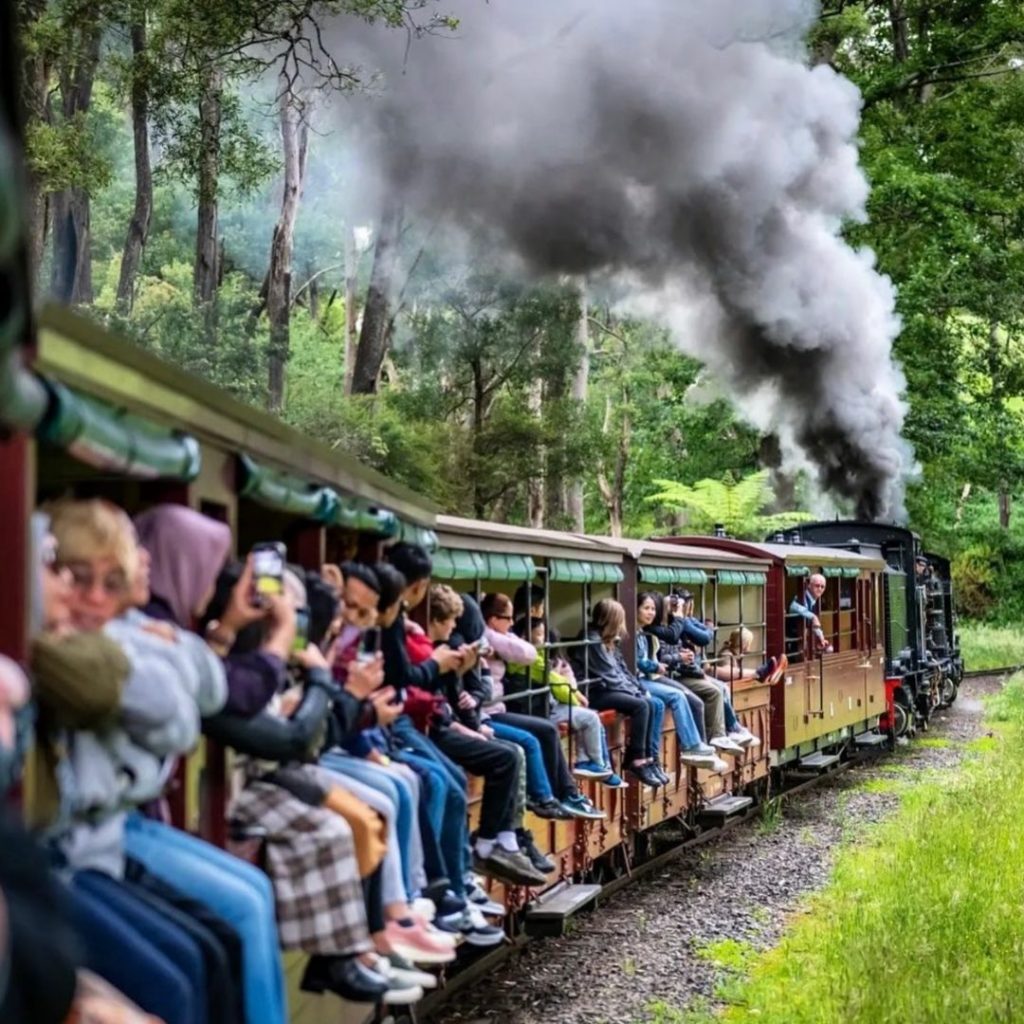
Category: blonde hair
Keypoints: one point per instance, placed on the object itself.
(740, 641)
(94, 529)
(444, 603)
(609, 619)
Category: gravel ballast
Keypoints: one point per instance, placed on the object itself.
(649, 943)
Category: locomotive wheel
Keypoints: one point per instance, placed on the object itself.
(948, 691)
(900, 719)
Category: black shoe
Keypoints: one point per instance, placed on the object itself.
(436, 889)
(529, 848)
(550, 809)
(345, 977)
(660, 773)
(512, 868)
(645, 775)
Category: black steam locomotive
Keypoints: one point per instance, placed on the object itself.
(923, 666)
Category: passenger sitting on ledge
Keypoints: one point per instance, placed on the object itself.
(654, 678)
(567, 703)
(730, 661)
(549, 782)
(807, 607)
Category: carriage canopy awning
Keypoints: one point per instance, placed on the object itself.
(363, 518)
(734, 578)
(797, 570)
(832, 571)
(570, 570)
(107, 438)
(412, 533)
(457, 564)
(295, 496)
(672, 574)
(851, 572)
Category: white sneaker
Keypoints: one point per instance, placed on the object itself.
(477, 896)
(402, 991)
(475, 928)
(719, 767)
(744, 737)
(697, 758)
(424, 908)
(726, 744)
(406, 972)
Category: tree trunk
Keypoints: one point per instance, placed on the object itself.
(35, 107)
(900, 36)
(535, 485)
(351, 313)
(71, 279)
(314, 293)
(205, 274)
(294, 137)
(574, 503)
(612, 491)
(373, 338)
(138, 229)
(477, 426)
(1004, 506)
(964, 495)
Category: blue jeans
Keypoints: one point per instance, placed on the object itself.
(674, 699)
(411, 746)
(124, 938)
(390, 786)
(445, 806)
(655, 723)
(232, 888)
(732, 723)
(538, 786)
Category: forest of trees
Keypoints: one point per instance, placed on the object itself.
(190, 176)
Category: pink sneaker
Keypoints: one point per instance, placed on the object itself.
(416, 945)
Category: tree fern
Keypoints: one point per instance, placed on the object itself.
(737, 505)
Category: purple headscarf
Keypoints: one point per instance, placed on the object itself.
(188, 550)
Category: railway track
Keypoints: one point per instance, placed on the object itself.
(984, 672)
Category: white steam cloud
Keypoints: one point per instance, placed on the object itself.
(684, 152)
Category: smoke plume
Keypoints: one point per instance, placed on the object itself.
(686, 154)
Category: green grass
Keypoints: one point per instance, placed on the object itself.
(771, 816)
(728, 954)
(933, 743)
(923, 920)
(985, 646)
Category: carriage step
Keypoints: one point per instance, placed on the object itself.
(871, 739)
(548, 915)
(818, 761)
(725, 806)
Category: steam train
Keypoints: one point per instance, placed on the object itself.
(100, 417)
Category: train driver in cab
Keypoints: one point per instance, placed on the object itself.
(807, 607)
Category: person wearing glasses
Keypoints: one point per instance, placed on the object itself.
(550, 785)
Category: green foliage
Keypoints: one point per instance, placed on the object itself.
(736, 504)
(974, 577)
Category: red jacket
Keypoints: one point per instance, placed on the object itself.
(423, 707)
